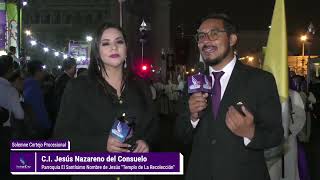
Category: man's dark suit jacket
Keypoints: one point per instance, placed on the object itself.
(217, 153)
(61, 84)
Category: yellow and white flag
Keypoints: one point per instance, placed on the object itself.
(276, 58)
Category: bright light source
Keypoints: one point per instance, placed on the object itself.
(24, 3)
(3, 53)
(59, 67)
(89, 38)
(269, 27)
(78, 59)
(45, 49)
(250, 58)
(192, 70)
(56, 54)
(153, 70)
(187, 72)
(65, 56)
(303, 37)
(28, 32)
(33, 42)
(81, 58)
(44, 67)
(144, 68)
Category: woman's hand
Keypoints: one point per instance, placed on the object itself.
(115, 146)
(142, 147)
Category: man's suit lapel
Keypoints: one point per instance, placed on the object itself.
(233, 88)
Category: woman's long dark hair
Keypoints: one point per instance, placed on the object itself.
(96, 68)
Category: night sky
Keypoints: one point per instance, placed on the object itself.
(249, 14)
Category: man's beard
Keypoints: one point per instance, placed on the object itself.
(217, 60)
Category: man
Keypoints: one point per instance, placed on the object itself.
(33, 96)
(228, 144)
(9, 96)
(69, 70)
(12, 52)
(11, 109)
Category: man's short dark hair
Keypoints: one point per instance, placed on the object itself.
(14, 76)
(6, 64)
(228, 23)
(34, 66)
(69, 63)
(12, 48)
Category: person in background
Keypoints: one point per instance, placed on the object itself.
(11, 110)
(296, 123)
(16, 79)
(33, 96)
(12, 52)
(309, 101)
(91, 104)
(153, 90)
(230, 129)
(69, 67)
(48, 87)
(82, 72)
(9, 96)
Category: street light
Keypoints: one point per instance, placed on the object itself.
(45, 49)
(311, 32)
(250, 58)
(89, 38)
(24, 3)
(144, 27)
(120, 6)
(303, 39)
(33, 42)
(28, 32)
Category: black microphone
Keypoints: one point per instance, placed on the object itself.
(200, 67)
(199, 82)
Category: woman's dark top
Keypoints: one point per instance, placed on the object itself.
(88, 112)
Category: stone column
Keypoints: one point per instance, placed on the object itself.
(160, 28)
(114, 11)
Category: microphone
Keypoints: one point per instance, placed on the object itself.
(199, 82)
(123, 129)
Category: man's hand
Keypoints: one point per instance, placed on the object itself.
(142, 147)
(115, 146)
(197, 103)
(240, 125)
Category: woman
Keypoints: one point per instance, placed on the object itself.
(91, 104)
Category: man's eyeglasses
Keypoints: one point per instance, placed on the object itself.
(211, 35)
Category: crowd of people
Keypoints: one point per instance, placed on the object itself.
(229, 130)
(29, 100)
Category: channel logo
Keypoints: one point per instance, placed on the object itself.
(22, 164)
